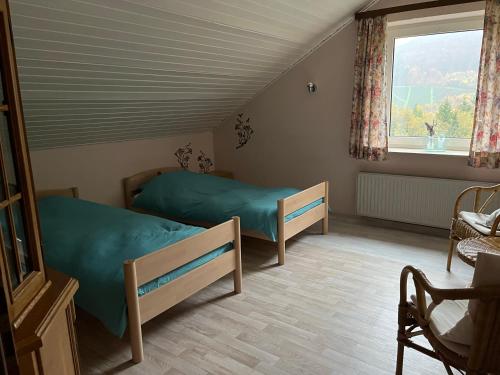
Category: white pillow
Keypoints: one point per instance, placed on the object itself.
(487, 273)
(462, 332)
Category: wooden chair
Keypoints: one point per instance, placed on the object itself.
(415, 318)
(463, 223)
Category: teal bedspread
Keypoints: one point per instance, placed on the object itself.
(90, 242)
(200, 197)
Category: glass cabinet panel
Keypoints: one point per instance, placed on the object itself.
(2, 96)
(3, 196)
(9, 248)
(8, 156)
(20, 250)
(4, 133)
(21, 239)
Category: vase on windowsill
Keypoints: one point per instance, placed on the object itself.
(430, 143)
(435, 144)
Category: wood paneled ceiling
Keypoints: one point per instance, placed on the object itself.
(95, 71)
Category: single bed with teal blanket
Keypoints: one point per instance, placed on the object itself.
(121, 256)
(275, 214)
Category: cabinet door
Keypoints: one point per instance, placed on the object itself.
(57, 355)
(21, 262)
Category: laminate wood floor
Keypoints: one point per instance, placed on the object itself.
(332, 309)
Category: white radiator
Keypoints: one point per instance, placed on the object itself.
(416, 200)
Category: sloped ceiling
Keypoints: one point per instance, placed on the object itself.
(96, 71)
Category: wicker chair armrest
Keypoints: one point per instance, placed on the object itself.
(438, 295)
(494, 227)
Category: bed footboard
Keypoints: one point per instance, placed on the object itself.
(286, 206)
(151, 266)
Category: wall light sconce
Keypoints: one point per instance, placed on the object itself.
(311, 87)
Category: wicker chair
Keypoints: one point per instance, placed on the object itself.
(482, 357)
(461, 227)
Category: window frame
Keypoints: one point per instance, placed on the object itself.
(419, 27)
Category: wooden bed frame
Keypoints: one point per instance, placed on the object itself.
(153, 265)
(285, 206)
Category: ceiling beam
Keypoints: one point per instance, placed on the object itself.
(410, 7)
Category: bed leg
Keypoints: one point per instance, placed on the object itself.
(325, 225)
(134, 318)
(281, 252)
(325, 218)
(281, 232)
(237, 273)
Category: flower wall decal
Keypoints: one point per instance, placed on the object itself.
(243, 130)
(183, 155)
(204, 162)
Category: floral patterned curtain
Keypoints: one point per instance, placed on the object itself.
(368, 119)
(485, 142)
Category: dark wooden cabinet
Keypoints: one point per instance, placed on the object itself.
(37, 315)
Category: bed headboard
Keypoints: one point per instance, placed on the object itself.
(133, 183)
(71, 192)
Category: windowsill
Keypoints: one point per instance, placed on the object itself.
(427, 152)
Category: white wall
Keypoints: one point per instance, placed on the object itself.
(98, 170)
(301, 139)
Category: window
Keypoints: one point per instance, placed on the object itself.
(432, 76)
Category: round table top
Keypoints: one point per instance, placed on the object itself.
(468, 249)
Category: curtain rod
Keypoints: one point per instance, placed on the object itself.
(410, 7)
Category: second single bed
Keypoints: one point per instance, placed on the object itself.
(274, 214)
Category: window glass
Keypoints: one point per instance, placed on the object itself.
(434, 85)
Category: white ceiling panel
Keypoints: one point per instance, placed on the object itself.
(94, 71)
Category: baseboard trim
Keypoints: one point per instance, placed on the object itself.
(414, 228)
